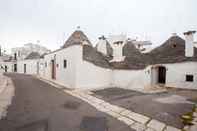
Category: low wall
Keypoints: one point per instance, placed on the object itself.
(90, 76)
(130, 79)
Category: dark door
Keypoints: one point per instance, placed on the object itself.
(15, 67)
(6, 68)
(24, 68)
(162, 75)
(53, 69)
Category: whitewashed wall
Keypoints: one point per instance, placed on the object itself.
(41, 67)
(64, 76)
(31, 66)
(131, 79)
(90, 76)
(176, 73)
(85, 75)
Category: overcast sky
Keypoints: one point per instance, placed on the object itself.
(52, 21)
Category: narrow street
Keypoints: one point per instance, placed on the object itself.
(37, 106)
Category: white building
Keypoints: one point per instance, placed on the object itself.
(117, 63)
(24, 51)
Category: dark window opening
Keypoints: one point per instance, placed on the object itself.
(24, 68)
(15, 67)
(65, 63)
(189, 78)
(45, 64)
(6, 68)
(174, 45)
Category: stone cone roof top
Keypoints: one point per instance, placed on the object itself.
(171, 51)
(33, 55)
(76, 38)
(133, 58)
(90, 54)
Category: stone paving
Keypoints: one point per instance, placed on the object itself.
(134, 120)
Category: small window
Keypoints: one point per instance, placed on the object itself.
(65, 63)
(189, 78)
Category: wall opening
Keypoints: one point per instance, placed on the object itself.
(6, 68)
(53, 69)
(158, 75)
(189, 78)
(24, 68)
(15, 67)
(161, 75)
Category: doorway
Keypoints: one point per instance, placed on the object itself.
(161, 75)
(6, 68)
(15, 67)
(24, 68)
(53, 69)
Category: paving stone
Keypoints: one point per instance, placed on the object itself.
(138, 117)
(99, 101)
(157, 125)
(150, 129)
(115, 108)
(106, 104)
(170, 128)
(138, 126)
(114, 114)
(125, 112)
(126, 120)
(103, 109)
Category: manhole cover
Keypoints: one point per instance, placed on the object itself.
(94, 124)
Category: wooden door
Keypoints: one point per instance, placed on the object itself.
(162, 75)
(53, 69)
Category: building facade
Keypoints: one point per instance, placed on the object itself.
(117, 63)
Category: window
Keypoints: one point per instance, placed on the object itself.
(189, 78)
(65, 63)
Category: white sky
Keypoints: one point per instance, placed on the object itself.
(52, 21)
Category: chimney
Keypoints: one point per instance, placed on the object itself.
(189, 43)
(174, 34)
(102, 45)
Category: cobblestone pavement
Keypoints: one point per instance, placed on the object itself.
(38, 106)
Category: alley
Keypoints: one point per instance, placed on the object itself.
(37, 106)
